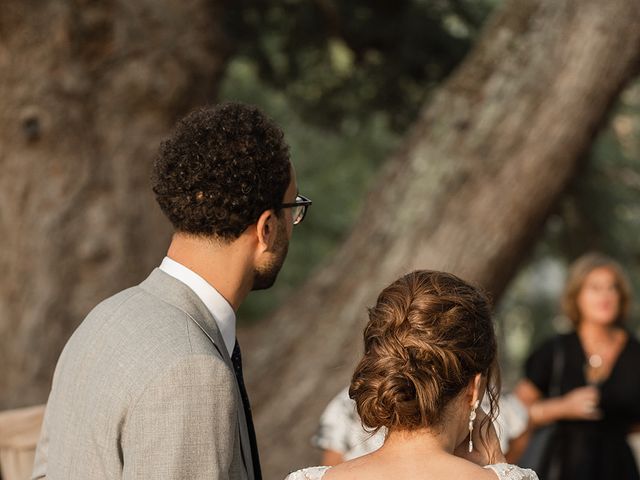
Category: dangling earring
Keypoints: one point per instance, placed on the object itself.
(472, 417)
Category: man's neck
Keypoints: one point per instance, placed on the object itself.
(225, 266)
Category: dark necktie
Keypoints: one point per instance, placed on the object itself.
(236, 359)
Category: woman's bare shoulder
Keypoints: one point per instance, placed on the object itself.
(371, 466)
(373, 469)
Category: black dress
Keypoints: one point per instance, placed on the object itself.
(591, 450)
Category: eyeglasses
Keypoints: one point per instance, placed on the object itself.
(298, 208)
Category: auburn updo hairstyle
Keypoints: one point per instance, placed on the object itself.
(428, 335)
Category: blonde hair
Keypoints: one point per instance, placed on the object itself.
(428, 335)
(578, 272)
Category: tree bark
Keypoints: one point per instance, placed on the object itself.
(468, 193)
(88, 89)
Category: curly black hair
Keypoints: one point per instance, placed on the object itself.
(221, 167)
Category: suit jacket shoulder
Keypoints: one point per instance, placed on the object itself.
(135, 342)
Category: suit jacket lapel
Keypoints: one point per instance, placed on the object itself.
(181, 296)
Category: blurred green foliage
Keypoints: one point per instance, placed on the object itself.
(338, 61)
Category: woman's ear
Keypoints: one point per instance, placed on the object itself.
(476, 390)
(266, 230)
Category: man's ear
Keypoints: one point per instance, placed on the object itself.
(266, 230)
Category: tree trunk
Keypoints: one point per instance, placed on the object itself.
(88, 89)
(468, 193)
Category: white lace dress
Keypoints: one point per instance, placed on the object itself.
(504, 471)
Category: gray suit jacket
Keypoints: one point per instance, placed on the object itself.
(145, 389)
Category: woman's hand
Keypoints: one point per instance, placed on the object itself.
(578, 404)
(582, 404)
(483, 452)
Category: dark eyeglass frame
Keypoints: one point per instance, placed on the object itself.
(301, 202)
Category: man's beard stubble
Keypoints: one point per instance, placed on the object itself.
(265, 276)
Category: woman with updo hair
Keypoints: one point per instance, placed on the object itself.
(429, 358)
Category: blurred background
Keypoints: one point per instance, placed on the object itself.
(497, 140)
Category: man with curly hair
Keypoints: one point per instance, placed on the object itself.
(150, 385)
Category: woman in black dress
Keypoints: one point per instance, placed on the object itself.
(594, 394)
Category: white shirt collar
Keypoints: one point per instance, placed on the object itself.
(220, 309)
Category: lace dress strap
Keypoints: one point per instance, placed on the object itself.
(311, 473)
(506, 471)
